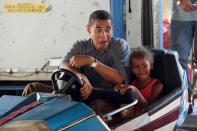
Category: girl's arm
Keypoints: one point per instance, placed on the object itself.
(141, 100)
(123, 88)
(156, 91)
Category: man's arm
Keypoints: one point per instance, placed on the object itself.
(108, 73)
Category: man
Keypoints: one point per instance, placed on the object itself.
(183, 29)
(100, 61)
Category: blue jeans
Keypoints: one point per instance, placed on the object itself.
(183, 34)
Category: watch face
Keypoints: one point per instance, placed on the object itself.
(93, 65)
(178, 2)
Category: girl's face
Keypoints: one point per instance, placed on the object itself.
(141, 68)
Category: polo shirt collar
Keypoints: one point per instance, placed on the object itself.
(92, 48)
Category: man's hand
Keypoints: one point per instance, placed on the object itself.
(78, 61)
(186, 5)
(86, 88)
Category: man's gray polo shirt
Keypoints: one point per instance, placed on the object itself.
(117, 56)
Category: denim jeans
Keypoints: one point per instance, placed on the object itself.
(183, 34)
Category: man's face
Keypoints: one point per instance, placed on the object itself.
(100, 32)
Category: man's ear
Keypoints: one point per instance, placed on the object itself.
(88, 28)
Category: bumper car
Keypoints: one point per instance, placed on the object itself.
(64, 109)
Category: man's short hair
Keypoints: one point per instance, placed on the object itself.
(99, 15)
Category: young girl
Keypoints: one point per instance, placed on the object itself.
(146, 88)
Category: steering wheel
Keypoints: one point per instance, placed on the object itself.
(66, 82)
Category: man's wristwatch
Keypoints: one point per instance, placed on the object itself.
(178, 2)
(94, 64)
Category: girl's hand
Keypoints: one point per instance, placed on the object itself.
(121, 88)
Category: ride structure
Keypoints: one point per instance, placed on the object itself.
(64, 109)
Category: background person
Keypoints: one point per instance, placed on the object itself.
(183, 29)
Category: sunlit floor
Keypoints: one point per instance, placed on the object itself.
(194, 92)
(190, 123)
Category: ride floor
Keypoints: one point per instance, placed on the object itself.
(190, 123)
